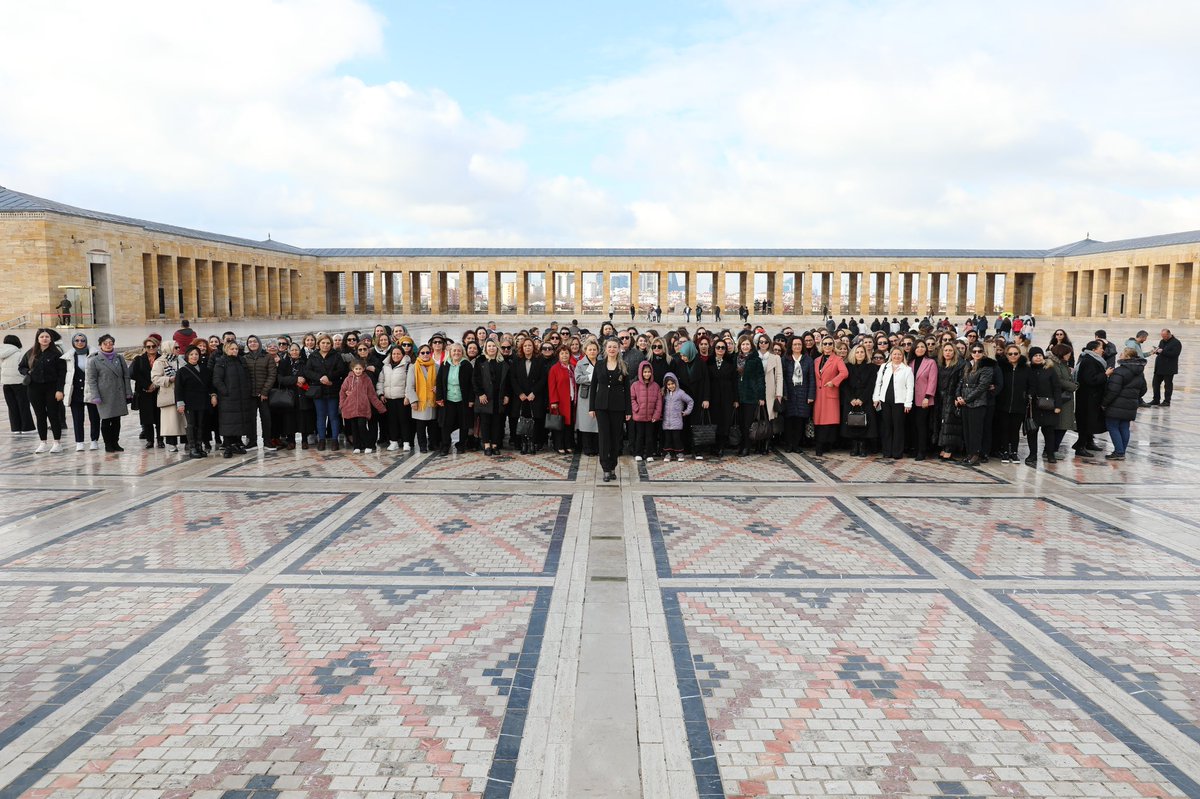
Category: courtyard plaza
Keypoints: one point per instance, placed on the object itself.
(312, 624)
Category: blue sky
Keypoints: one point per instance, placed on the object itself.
(756, 123)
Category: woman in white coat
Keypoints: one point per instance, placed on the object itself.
(172, 422)
(893, 398)
(586, 424)
(20, 417)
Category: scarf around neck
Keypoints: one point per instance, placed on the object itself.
(425, 380)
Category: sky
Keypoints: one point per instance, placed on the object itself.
(755, 123)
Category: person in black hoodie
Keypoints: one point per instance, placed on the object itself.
(1012, 401)
(1091, 373)
(1045, 401)
(1122, 395)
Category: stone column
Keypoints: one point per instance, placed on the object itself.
(522, 307)
(150, 285)
(205, 284)
(1153, 282)
(187, 277)
(1010, 291)
(493, 294)
(719, 289)
(1173, 289)
(169, 283)
(578, 304)
(550, 291)
(776, 287)
(893, 306)
(606, 292)
(635, 288)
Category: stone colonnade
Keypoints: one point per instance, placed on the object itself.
(177, 286)
(1147, 291)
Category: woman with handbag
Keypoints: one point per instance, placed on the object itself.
(799, 394)
(454, 400)
(751, 392)
(288, 401)
(772, 379)
(106, 379)
(830, 372)
(1060, 357)
(860, 422)
(1045, 398)
(585, 422)
(722, 383)
(610, 405)
(144, 392)
(561, 393)
(692, 375)
(172, 422)
(1012, 401)
(529, 384)
(893, 399)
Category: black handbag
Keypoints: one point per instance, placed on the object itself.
(856, 419)
(555, 422)
(524, 424)
(760, 428)
(281, 399)
(704, 434)
(1045, 404)
(1031, 424)
(734, 436)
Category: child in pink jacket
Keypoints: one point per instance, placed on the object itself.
(646, 398)
(355, 400)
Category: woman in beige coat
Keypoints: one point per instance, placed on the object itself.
(162, 374)
(772, 375)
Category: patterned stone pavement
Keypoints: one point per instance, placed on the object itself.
(305, 624)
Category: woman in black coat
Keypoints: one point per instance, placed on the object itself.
(193, 387)
(611, 405)
(298, 418)
(325, 370)
(236, 406)
(950, 429)
(490, 379)
(1091, 372)
(454, 414)
(44, 367)
(1122, 397)
(691, 373)
(1045, 401)
(856, 394)
(145, 392)
(722, 390)
(1012, 401)
(972, 399)
(799, 394)
(530, 389)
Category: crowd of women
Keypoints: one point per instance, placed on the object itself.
(922, 393)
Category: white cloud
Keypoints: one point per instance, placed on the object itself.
(822, 123)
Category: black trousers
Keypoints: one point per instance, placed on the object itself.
(149, 415)
(20, 416)
(1012, 431)
(1049, 436)
(612, 428)
(989, 429)
(1163, 381)
(360, 425)
(974, 422)
(454, 417)
(920, 428)
(47, 411)
(399, 422)
(891, 440)
(793, 431)
(491, 428)
(643, 438)
(79, 409)
(264, 415)
(197, 435)
(110, 431)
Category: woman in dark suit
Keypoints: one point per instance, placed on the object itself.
(529, 386)
(722, 383)
(490, 378)
(610, 405)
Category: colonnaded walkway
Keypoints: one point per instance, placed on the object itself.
(317, 624)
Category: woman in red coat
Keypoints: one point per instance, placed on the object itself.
(827, 410)
(561, 384)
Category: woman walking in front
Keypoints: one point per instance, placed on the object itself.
(610, 405)
(47, 372)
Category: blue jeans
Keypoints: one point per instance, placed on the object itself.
(327, 412)
(1118, 431)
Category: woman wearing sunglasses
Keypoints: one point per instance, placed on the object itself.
(972, 399)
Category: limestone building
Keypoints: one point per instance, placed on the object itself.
(122, 271)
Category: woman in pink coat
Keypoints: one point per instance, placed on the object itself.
(925, 376)
(827, 410)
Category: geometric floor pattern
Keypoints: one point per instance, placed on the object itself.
(321, 624)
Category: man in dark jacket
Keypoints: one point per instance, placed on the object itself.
(1110, 349)
(1166, 367)
(1091, 374)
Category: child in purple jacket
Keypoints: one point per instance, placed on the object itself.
(676, 405)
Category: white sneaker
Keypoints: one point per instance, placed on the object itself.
(95, 445)
(699, 457)
(637, 457)
(650, 459)
(392, 447)
(357, 451)
(56, 448)
(79, 447)
(42, 447)
(172, 448)
(368, 451)
(406, 448)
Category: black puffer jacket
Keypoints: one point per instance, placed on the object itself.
(1126, 385)
(235, 397)
(1013, 397)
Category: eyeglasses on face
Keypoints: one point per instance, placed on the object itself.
(423, 352)
(406, 345)
(977, 352)
(658, 346)
(151, 346)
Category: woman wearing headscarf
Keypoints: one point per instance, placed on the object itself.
(172, 420)
(691, 374)
(106, 378)
(77, 359)
(585, 422)
(16, 395)
(145, 393)
(827, 410)
(421, 390)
